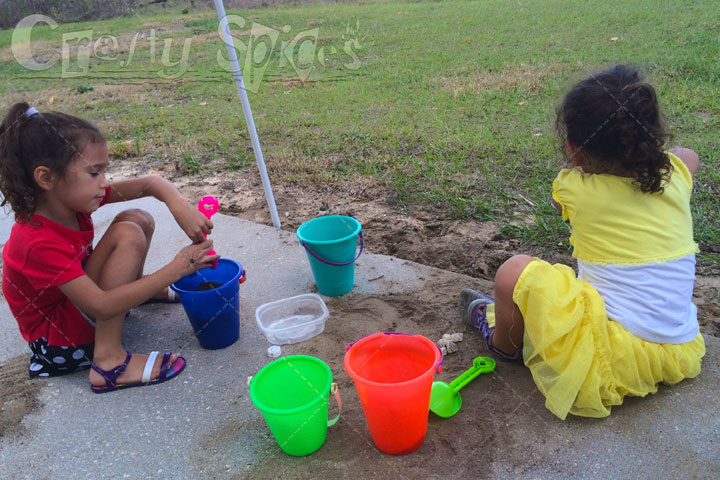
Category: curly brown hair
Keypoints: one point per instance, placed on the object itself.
(613, 118)
(51, 140)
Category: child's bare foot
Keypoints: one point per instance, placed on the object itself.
(133, 373)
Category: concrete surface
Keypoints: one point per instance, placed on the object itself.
(203, 425)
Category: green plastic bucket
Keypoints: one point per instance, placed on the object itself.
(330, 243)
(292, 394)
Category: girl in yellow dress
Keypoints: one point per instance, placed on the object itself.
(626, 322)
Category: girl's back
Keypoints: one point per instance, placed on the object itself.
(635, 248)
(627, 321)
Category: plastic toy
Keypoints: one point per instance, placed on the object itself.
(209, 207)
(445, 399)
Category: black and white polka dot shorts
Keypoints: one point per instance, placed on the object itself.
(52, 361)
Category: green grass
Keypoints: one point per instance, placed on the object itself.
(192, 165)
(451, 105)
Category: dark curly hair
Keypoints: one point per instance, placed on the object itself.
(51, 140)
(613, 118)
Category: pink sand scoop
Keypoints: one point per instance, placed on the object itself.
(209, 207)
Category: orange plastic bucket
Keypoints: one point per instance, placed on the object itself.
(393, 375)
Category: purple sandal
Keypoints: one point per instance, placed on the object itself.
(474, 307)
(111, 375)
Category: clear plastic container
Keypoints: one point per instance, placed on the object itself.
(293, 319)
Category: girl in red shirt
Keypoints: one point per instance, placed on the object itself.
(69, 298)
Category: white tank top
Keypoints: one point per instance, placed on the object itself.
(652, 300)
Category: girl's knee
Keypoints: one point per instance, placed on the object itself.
(509, 272)
(140, 217)
(127, 234)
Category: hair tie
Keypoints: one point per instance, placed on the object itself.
(31, 112)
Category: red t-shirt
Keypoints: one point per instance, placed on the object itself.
(36, 259)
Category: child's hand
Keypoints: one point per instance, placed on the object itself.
(194, 257)
(191, 220)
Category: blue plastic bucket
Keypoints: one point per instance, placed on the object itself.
(330, 244)
(214, 314)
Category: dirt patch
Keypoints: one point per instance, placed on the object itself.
(431, 313)
(18, 395)
(68, 99)
(109, 46)
(707, 298)
(473, 248)
(521, 76)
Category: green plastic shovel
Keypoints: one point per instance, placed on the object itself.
(445, 399)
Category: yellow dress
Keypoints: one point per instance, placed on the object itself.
(582, 361)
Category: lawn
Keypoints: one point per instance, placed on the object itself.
(450, 104)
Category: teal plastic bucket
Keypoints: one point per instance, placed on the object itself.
(330, 244)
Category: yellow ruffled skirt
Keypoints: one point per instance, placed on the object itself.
(581, 361)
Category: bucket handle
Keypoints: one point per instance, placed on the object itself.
(335, 391)
(439, 366)
(243, 277)
(442, 359)
(328, 262)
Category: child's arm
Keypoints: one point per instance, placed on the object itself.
(98, 303)
(190, 219)
(689, 158)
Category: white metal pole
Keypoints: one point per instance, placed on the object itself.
(237, 74)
